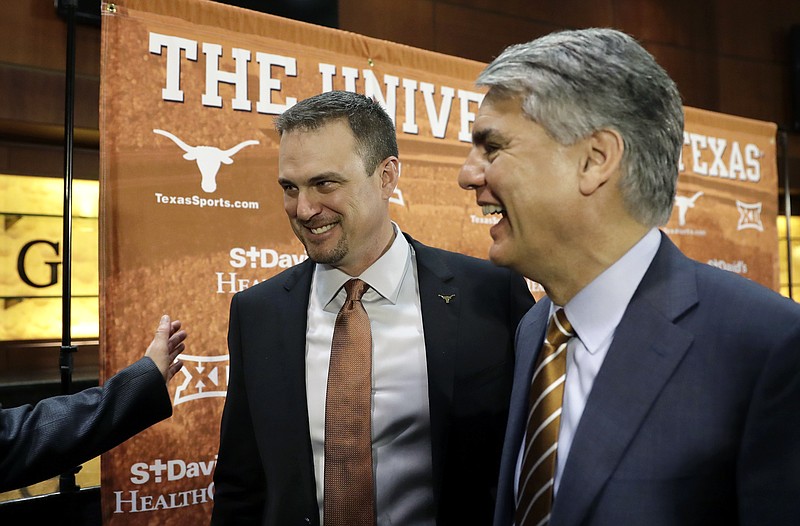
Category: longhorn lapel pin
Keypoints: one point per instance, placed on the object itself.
(447, 298)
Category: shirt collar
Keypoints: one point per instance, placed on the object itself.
(598, 308)
(384, 276)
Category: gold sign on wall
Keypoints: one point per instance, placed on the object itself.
(31, 251)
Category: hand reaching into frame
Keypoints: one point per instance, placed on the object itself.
(167, 344)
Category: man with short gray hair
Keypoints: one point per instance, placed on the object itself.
(649, 389)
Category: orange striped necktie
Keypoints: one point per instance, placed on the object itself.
(535, 495)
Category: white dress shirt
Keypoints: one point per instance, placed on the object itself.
(594, 314)
(401, 445)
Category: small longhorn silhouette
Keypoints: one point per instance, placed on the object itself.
(684, 203)
(447, 298)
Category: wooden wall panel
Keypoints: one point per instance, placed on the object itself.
(680, 23)
(561, 13)
(32, 63)
(47, 160)
(759, 90)
(36, 96)
(32, 34)
(756, 30)
(409, 22)
(480, 35)
(695, 72)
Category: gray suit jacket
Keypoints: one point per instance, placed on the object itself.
(264, 473)
(694, 417)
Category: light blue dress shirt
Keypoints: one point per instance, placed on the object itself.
(594, 313)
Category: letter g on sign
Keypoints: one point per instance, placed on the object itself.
(52, 264)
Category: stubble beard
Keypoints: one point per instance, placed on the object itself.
(331, 257)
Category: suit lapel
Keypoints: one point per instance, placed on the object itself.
(647, 348)
(528, 344)
(282, 339)
(298, 285)
(288, 364)
(441, 305)
(293, 321)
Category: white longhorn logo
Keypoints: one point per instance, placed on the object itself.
(208, 158)
(684, 203)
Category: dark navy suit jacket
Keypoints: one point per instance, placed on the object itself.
(694, 417)
(264, 473)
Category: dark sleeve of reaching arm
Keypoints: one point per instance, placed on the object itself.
(40, 442)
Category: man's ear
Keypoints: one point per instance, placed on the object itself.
(603, 159)
(389, 172)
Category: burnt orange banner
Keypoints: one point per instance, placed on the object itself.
(191, 211)
(727, 200)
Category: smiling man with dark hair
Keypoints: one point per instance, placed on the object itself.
(417, 431)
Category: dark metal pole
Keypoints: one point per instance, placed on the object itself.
(787, 207)
(67, 480)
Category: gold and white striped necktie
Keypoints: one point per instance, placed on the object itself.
(535, 495)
